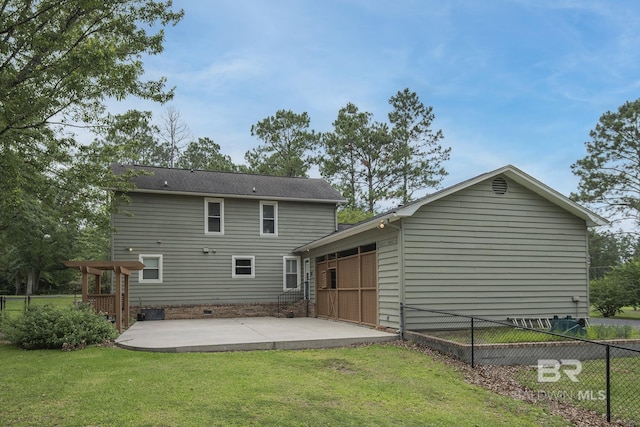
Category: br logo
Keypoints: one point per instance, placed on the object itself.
(550, 370)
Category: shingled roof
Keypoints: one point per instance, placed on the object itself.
(209, 183)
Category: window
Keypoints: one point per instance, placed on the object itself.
(214, 216)
(268, 218)
(152, 271)
(243, 267)
(333, 278)
(291, 272)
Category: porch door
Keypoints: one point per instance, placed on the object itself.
(346, 285)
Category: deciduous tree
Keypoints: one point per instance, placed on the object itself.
(128, 138)
(608, 250)
(174, 134)
(60, 60)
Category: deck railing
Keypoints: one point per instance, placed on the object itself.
(103, 303)
(292, 296)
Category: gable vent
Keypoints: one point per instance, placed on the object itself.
(499, 185)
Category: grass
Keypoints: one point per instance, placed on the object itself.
(508, 334)
(627, 313)
(589, 391)
(379, 385)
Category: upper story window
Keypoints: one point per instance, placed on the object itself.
(152, 271)
(213, 216)
(268, 218)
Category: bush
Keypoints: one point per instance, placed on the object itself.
(608, 295)
(42, 327)
(609, 332)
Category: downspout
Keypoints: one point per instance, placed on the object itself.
(588, 262)
(112, 229)
(401, 291)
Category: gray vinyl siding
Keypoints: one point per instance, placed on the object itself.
(497, 256)
(388, 283)
(173, 226)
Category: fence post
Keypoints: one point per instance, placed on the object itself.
(473, 360)
(608, 384)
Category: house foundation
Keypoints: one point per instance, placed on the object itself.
(222, 311)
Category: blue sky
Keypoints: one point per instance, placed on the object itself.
(510, 82)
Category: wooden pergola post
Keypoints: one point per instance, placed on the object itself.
(121, 306)
(118, 301)
(86, 271)
(126, 300)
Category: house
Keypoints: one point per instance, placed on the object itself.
(218, 244)
(500, 245)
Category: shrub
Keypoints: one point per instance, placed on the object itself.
(607, 332)
(43, 327)
(608, 295)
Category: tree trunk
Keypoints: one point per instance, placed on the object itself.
(18, 283)
(36, 280)
(30, 279)
(33, 277)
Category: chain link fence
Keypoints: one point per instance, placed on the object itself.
(15, 304)
(594, 367)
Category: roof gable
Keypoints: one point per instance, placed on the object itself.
(527, 181)
(509, 171)
(210, 183)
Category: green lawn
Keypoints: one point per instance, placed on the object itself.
(628, 313)
(510, 334)
(380, 385)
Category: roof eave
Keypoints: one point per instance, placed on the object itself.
(236, 196)
(591, 218)
(356, 229)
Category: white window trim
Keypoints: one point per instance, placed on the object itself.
(275, 218)
(207, 200)
(243, 276)
(141, 258)
(284, 271)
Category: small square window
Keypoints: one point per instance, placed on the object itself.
(152, 271)
(243, 266)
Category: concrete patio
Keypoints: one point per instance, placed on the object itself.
(242, 334)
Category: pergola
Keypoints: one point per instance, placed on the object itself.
(109, 304)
